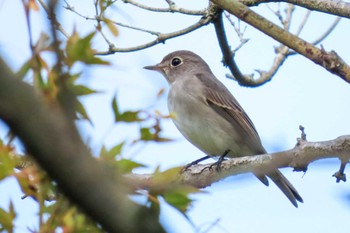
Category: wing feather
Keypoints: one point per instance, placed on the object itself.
(219, 97)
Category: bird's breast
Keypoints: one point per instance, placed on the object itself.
(200, 124)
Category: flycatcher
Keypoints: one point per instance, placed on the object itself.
(210, 117)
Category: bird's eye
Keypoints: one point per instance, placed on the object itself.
(176, 61)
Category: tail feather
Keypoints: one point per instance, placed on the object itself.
(285, 186)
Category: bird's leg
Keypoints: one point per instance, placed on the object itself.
(219, 162)
(196, 162)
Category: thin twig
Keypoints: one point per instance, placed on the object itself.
(331, 61)
(172, 8)
(238, 31)
(327, 32)
(56, 24)
(228, 58)
(161, 37)
(339, 7)
(303, 23)
(322, 37)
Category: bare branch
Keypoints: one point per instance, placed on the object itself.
(172, 8)
(162, 37)
(207, 16)
(53, 19)
(299, 158)
(327, 32)
(303, 23)
(322, 37)
(329, 60)
(228, 56)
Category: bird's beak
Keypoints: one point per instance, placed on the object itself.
(157, 67)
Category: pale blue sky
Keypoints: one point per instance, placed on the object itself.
(300, 93)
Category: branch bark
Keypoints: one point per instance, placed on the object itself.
(54, 142)
(329, 60)
(299, 158)
(338, 7)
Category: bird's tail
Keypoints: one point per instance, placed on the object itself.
(283, 184)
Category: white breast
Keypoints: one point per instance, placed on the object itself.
(198, 122)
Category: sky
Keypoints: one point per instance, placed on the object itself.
(301, 93)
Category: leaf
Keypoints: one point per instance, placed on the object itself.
(33, 5)
(127, 116)
(146, 134)
(167, 185)
(79, 49)
(24, 69)
(111, 26)
(166, 176)
(7, 162)
(80, 90)
(126, 165)
(82, 111)
(7, 218)
(112, 153)
(150, 134)
(178, 199)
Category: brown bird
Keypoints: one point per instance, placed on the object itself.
(210, 117)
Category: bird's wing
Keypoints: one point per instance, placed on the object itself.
(222, 101)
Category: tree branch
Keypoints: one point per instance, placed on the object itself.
(53, 19)
(329, 60)
(207, 16)
(172, 8)
(339, 8)
(299, 158)
(56, 145)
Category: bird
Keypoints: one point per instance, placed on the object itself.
(209, 116)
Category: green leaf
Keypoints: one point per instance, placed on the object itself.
(80, 90)
(127, 116)
(115, 108)
(126, 165)
(178, 199)
(7, 218)
(81, 111)
(112, 153)
(166, 176)
(7, 162)
(146, 134)
(79, 49)
(24, 69)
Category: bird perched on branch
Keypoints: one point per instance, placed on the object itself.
(210, 117)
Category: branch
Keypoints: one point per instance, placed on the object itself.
(171, 9)
(339, 8)
(56, 144)
(207, 16)
(299, 158)
(228, 60)
(53, 19)
(161, 37)
(329, 60)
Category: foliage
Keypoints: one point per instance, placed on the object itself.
(56, 212)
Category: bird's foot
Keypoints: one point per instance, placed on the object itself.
(218, 163)
(195, 162)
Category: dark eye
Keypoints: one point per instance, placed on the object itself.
(176, 61)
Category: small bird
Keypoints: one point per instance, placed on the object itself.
(209, 116)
